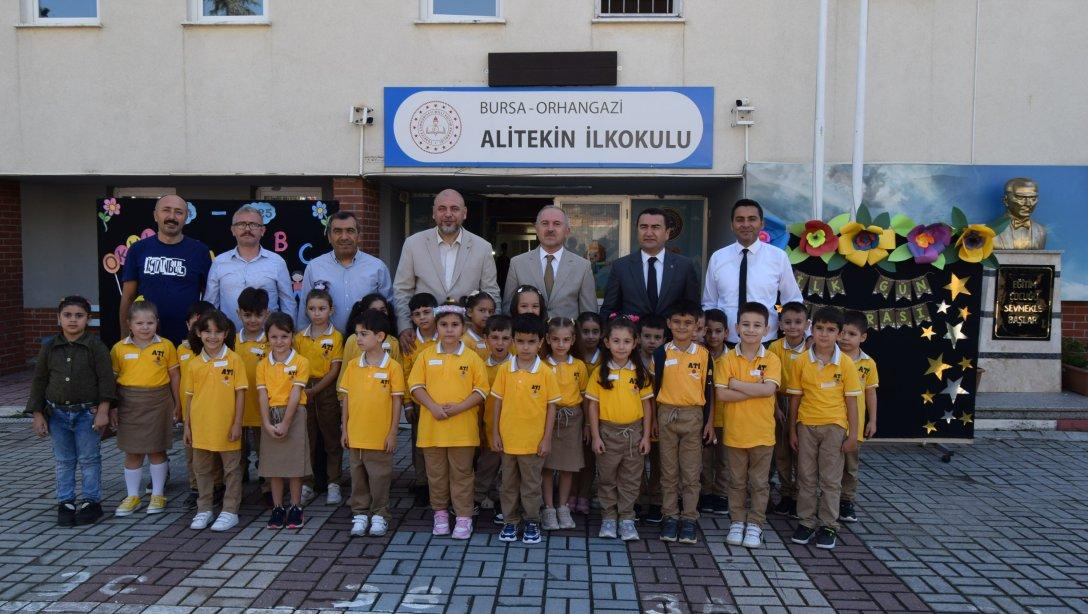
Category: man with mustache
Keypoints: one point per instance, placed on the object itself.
(249, 266)
(168, 269)
(565, 278)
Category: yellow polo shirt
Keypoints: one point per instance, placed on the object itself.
(525, 395)
(251, 352)
(869, 378)
(786, 355)
(409, 360)
(476, 343)
(572, 376)
(185, 357)
(622, 403)
(211, 387)
(279, 378)
(683, 379)
(320, 349)
(719, 406)
(749, 423)
(492, 368)
(450, 378)
(369, 390)
(823, 388)
(143, 368)
(594, 361)
(352, 352)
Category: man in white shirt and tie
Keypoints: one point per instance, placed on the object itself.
(749, 270)
(565, 278)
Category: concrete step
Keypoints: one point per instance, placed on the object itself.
(1054, 411)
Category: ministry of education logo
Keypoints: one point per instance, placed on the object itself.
(435, 127)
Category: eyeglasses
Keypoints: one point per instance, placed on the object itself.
(247, 225)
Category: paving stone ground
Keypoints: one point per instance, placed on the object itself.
(1002, 528)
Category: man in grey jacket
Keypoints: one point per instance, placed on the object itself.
(565, 278)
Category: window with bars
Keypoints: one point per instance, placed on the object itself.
(638, 8)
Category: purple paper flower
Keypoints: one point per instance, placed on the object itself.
(926, 243)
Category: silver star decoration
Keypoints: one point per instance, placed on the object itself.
(942, 307)
(955, 333)
(953, 389)
(948, 417)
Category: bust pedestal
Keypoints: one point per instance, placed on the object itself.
(1022, 353)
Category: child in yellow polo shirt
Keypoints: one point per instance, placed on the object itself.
(251, 345)
(372, 389)
(619, 406)
(479, 306)
(715, 479)
(391, 345)
(682, 420)
(747, 381)
(323, 346)
(185, 356)
(793, 324)
(525, 392)
(284, 450)
(567, 456)
(823, 391)
(449, 382)
(146, 367)
(499, 335)
(589, 351)
(421, 308)
(854, 332)
(215, 393)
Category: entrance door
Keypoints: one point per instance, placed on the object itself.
(597, 232)
(686, 218)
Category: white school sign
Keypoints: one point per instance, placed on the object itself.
(550, 127)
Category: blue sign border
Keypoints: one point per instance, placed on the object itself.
(702, 157)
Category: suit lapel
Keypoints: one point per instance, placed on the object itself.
(668, 276)
(562, 273)
(436, 259)
(640, 280)
(463, 251)
(536, 271)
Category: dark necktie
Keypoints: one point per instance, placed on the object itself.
(742, 285)
(651, 282)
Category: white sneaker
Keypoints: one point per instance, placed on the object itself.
(608, 529)
(628, 531)
(378, 526)
(549, 521)
(333, 496)
(308, 496)
(225, 521)
(359, 524)
(487, 504)
(736, 534)
(201, 521)
(753, 536)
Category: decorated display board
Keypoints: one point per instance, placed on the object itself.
(920, 288)
(294, 229)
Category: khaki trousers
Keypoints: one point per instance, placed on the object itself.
(850, 467)
(204, 468)
(217, 469)
(785, 459)
(619, 469)
(450, 478)
(371, 475)
(650, 493)
(749, 475)
(521, 487)
(487, 474)
(819, 462)
(680, 435)
(325, 416)
(716, 467)
(419, 467)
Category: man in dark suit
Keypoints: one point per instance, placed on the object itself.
(650, 280)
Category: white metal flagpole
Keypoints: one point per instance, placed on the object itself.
(818, 122)
(858, 168)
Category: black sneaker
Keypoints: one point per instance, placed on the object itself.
(846, 511)
(720, 506)
(498, 519)
(706, 504)
(687, 532)
(278, 519)
(653, 516)
(190, 501)
(825, 538)
(783, 507)
(66, 514)
(294, 518)
(531, 533)
(89, 512)
(802, 535)
(670, 527)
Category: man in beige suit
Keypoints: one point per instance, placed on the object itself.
(446, 261)
(568, 286)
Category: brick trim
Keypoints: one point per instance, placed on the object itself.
(1075, 319)
(11, 269)
(361, 197)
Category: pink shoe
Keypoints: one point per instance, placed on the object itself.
(463, 528)
(583, 505)
(441, 523)
(572, 504)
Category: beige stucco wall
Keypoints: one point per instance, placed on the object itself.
(144, 94)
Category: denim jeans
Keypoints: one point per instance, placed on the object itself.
(75, 441)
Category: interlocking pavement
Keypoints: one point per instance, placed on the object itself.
(1002, 528)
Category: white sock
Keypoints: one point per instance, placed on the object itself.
(158, 478)
(132, 481)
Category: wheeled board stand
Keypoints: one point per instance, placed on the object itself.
(945, 452)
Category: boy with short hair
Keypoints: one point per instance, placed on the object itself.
(683, 374)
(422, 308)
(823, 391)
(525, 396)
(651, 334)
(251, 345)
(748, 376)
(854, 332)
(715, 479)
(498, 334)
(793, 323)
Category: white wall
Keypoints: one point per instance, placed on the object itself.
(145, 95)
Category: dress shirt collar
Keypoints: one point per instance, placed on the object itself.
(261, 253)
(646, 257)
(460, 237)
(752, 249)
(558, 256)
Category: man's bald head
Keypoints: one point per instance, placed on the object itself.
(449, 211)
(171, 212)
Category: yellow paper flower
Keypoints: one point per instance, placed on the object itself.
(865, 245)
(976, 243)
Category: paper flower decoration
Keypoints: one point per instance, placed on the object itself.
(110, 208)
(927, 242)
(862, 245)
(976, 243)
(818, 239)
(764, 236)
(321, 211)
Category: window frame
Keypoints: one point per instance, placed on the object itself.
(31, 10)
(676, 15)
(427, 15)
(197, 16)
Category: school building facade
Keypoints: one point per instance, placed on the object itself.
(684, 104)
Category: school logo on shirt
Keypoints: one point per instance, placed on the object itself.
(226, 374)
(838, 378)
(161, 265)
(463, 369)
(326, 346)
(159, 355)
(864, 371)
(535, 389)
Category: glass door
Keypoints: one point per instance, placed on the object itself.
(686, 218)
(599, 232)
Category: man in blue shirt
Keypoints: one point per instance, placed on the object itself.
(168, 269)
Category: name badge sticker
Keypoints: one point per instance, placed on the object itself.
(435, 362)
(828, 384)
(219, 363)
(185, 357)
(325, 343)
(381, 375)
(613, 377)
(755, 373)
(291, 369)
(131, 356)
(670, 362)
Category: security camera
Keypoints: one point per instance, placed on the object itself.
(361, 116)
(742, 102)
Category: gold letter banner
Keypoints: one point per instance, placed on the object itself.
(820, 287)
(921, 314)
(835, 286)
(921, 286)
(883, 286)
(801, 279)
(895, 317)
(816, 285)
(905, 289)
